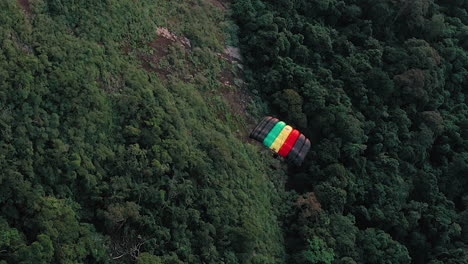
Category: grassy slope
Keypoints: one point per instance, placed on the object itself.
(84, 124)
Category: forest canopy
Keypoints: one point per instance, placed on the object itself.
(380, 88)
(124, 131)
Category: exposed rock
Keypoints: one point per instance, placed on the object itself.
(233, 52)
(165, 33)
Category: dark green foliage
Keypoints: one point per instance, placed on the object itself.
(318, 252)
(380, 88)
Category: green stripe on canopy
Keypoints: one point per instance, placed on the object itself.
(270, 138)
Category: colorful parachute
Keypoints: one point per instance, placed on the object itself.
(283, 139)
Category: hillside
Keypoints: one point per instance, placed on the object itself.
(122, 138)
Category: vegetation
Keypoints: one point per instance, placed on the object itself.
(380, 87)
(122, 139)
(109, 153)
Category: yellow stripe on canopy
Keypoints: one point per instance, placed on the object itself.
(281, 138)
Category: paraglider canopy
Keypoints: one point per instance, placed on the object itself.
(282, 139)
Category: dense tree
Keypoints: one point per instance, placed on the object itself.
(380, 84)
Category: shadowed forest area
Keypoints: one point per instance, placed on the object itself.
(123, 131)
(381, 89)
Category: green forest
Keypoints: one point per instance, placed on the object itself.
(380, 86)
(124, 131)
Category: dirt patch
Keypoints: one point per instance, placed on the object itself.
(25, 5)
(160, 48)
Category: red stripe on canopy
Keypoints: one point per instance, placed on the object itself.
(289, 143)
